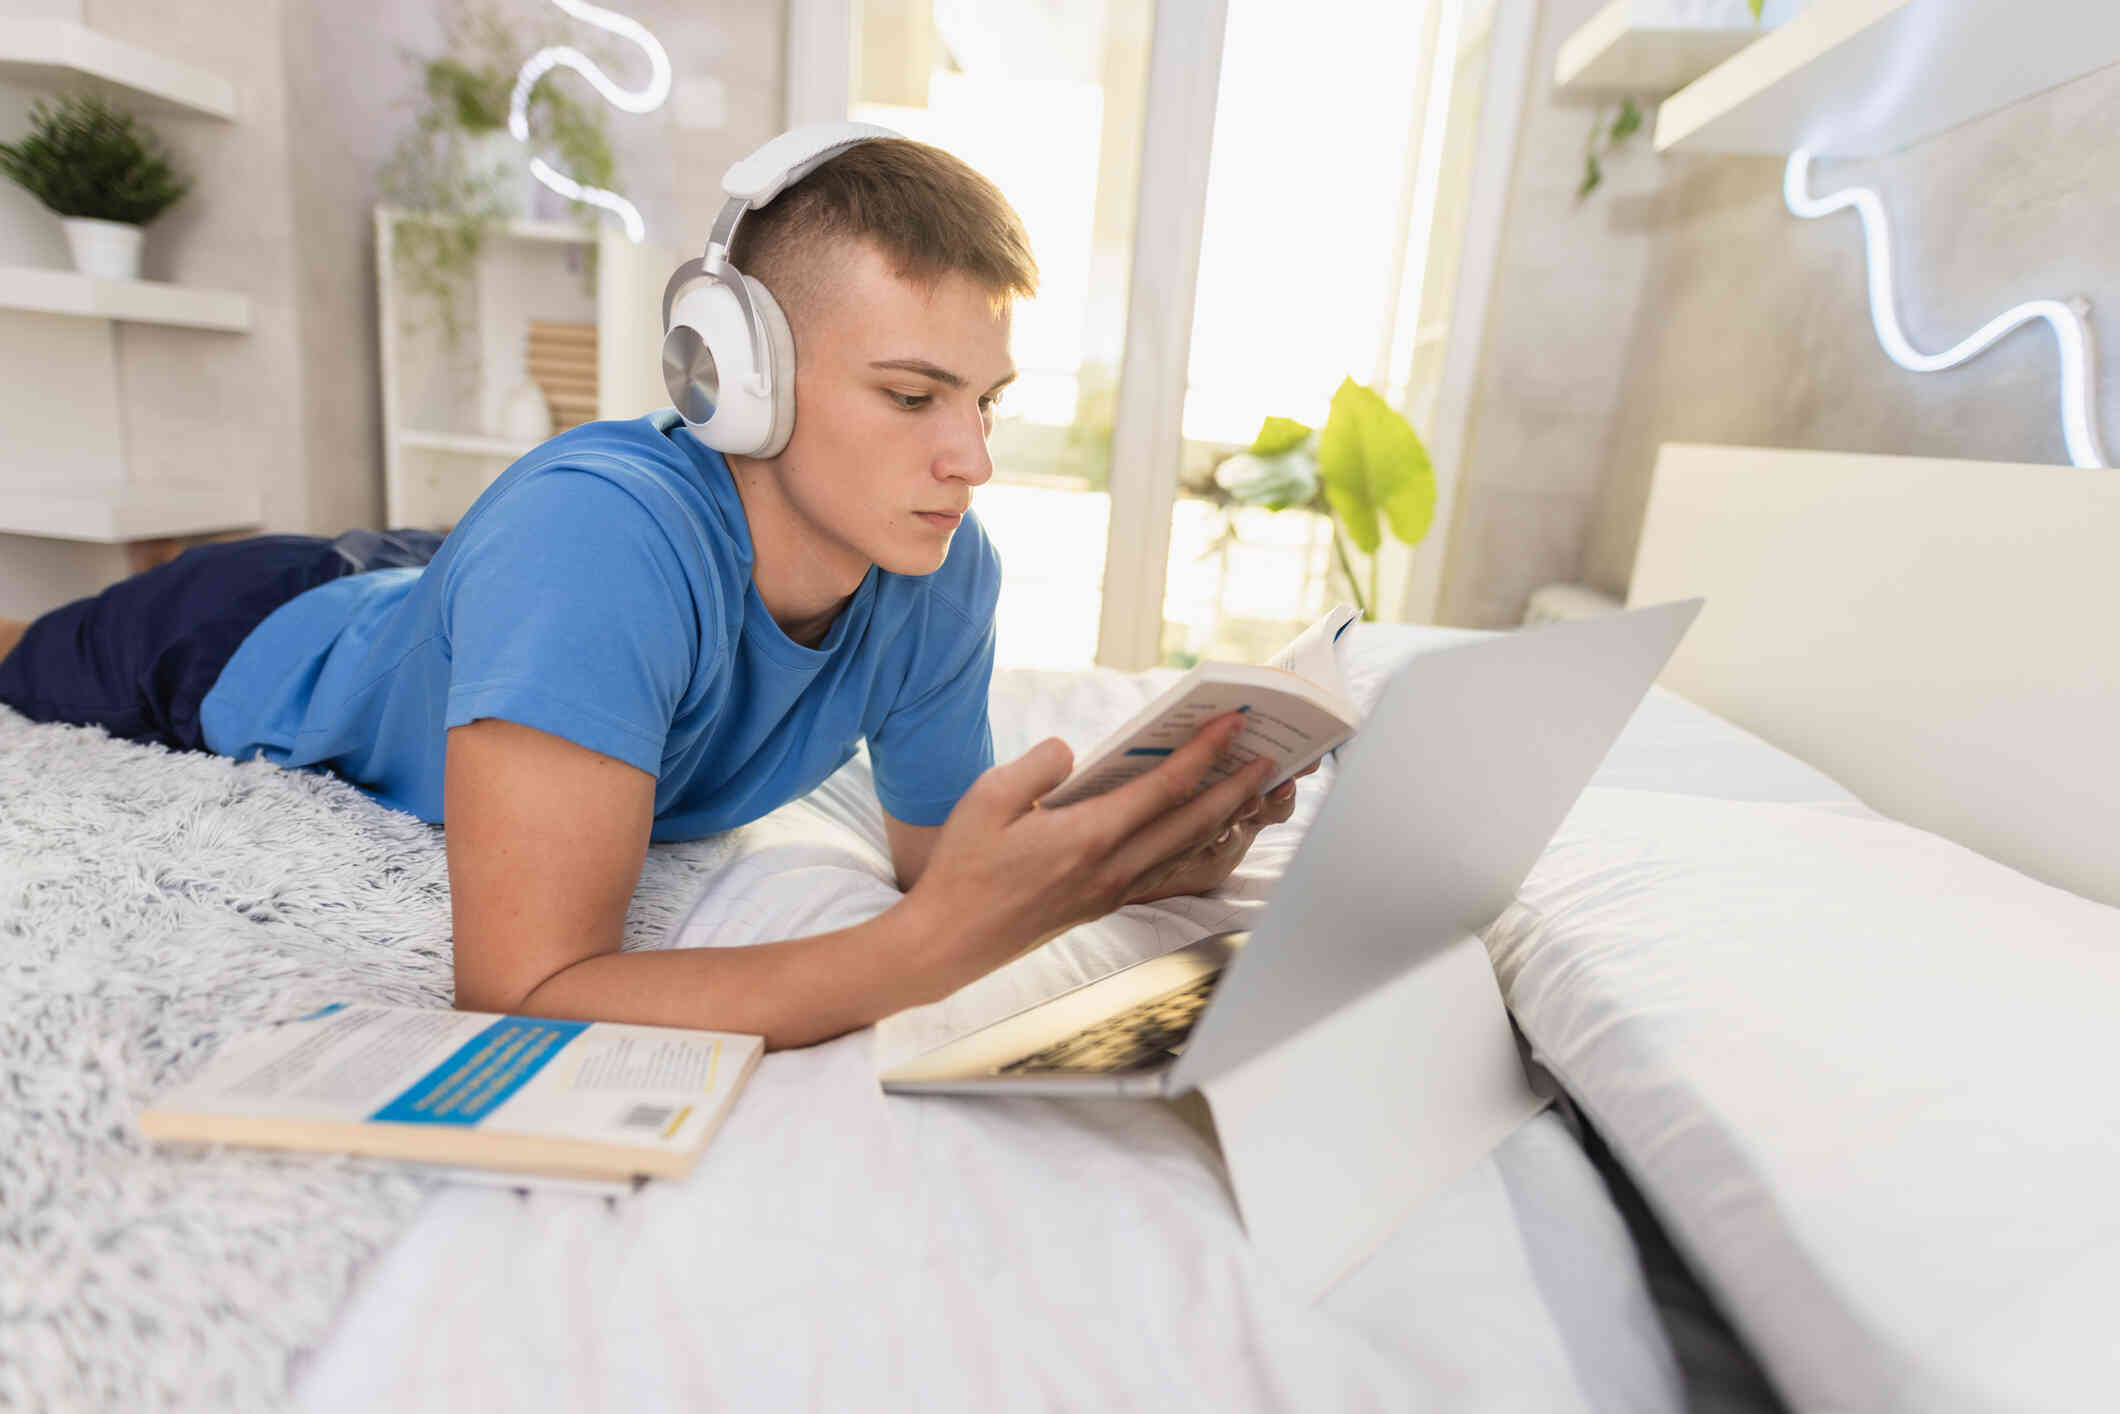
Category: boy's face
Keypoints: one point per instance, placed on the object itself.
(894, 401)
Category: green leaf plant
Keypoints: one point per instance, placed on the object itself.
(1604, 136)
(435, 169)
(85, 157)
(1366, 470)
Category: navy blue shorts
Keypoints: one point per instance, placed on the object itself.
(139, 658)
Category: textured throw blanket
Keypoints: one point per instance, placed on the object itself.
(153, 904)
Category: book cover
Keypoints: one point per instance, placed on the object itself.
(570, 1099)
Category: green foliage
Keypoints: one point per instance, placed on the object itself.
(1372, 466)
(442, 169)
(1286, 478)
(1603, 138)
(86, 157)
(1278, 435)
(1627, 122)
(1366, 470)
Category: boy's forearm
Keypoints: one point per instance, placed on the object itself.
(793, 993)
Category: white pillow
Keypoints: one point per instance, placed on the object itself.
(1865, 1076)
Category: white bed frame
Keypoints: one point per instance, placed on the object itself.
(1939, 636)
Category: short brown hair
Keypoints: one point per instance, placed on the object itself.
(928, 212)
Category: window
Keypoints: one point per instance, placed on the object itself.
(1311, 219)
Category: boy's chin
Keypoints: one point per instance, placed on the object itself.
(915, 561)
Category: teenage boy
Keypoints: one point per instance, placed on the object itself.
(632, 637)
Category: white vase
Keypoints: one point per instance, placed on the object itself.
(109, 250)
(497, 158)
(525, 415)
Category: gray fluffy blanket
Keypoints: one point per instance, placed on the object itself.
(153, 904)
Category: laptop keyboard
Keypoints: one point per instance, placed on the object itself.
(1140, 1036)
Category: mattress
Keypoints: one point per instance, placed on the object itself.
(841, 1248)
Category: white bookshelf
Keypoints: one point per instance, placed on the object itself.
(441, 401)
(62, 54)
(68, 292)
(1860, 78)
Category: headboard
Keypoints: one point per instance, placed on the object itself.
(1942, 637)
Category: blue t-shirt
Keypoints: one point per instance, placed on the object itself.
(601, 590)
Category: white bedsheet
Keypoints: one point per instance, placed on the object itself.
(838, 1248)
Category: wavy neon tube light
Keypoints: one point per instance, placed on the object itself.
(643, 100)
(2079, 426)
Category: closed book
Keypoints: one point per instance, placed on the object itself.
(520, 1094)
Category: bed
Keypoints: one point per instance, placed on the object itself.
(1880, 1141)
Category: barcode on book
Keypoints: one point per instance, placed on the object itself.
(647, 1116)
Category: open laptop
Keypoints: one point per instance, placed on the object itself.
(1443, 802)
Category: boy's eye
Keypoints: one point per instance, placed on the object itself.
(909, 401)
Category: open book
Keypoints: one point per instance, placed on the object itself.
(520, 1094)
(1295, 710)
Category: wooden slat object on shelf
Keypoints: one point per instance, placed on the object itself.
(561, 360)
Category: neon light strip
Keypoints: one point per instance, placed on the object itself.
(646, 100)
(2071, 331)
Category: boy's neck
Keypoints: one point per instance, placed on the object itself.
(803, 582)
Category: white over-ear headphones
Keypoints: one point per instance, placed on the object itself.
(728, 357)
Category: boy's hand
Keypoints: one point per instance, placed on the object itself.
(1007, 875)
(1198, 870)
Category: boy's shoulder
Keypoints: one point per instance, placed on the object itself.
(598, 471)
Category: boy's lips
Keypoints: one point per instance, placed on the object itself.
(948, 519)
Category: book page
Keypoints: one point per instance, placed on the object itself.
(1311, 655)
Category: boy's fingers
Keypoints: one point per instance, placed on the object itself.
(1014, 785)
(1171, 784)
(1193, 824)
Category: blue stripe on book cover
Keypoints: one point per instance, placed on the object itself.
(483, 1072)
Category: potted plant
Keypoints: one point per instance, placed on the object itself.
(1366, 470)
(459, 167)
(101, 172)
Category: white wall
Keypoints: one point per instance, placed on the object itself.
(1681, 302)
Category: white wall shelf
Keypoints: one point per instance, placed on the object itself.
(46, 291)
(465, 446)
(59, 53)
(1641, 47)
(1860, 78)
(136, 513)
(554, 232)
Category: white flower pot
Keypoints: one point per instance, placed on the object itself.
(109, 250)
(500, 160)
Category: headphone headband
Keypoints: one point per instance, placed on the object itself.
(792, 156)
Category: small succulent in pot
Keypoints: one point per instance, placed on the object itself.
(101, 171)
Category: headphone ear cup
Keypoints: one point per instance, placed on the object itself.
(780, 363)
